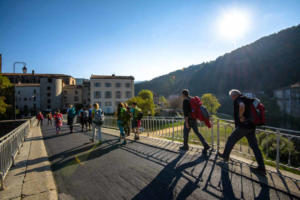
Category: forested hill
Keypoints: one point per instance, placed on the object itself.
(267, 64)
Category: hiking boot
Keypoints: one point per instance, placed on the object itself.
(226, 159)
(183, 148)
(124, 142)
(259, 170)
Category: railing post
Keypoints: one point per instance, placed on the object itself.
(277, 149)
(212, 135)
(173, 132)
(289, 159)
(218, 134)
(1, 181)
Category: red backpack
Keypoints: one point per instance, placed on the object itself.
(258, 112)
(199, 111)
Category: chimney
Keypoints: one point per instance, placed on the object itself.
(24, 70)
(0, 63)
(32, 72)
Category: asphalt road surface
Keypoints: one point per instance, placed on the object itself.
(83, 170)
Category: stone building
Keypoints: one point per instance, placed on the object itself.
(108, 91)
(27, 97)
(288, 99)
(72, 94)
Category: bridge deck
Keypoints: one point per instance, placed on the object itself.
(151, 170)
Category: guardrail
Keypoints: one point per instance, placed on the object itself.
(10, 145)
(280, 146)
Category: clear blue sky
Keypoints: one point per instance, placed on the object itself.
(144, 38)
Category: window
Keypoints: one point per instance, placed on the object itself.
(49, 101)
(49, 106)
(76, 92)
(49, 94)
(118, 94)
(34, 106)
(128, 94)
(97, 84)
(49, 80)
(107, 94)
(19, 92)
(76, 98)
(48, 88)
(34, 91)
(128, 85)
(97, 94)
(65, 92)
(108, 103)
(25, 99)
(107, 84)
(118, 85)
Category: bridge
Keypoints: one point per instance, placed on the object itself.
(68, 166)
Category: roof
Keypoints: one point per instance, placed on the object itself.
(111, 77)
(27, 85)
(30, 74)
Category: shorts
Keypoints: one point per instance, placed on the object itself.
(136, 123)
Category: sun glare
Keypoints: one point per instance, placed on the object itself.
(233, 24)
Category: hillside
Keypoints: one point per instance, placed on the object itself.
(267, 64)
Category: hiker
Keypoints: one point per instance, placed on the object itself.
(40, 118)
(189, 123)
(126, 120)
(90, 117)
(84, 119)
(71, 115)
(98, 119)
(244, 126)
(58, 120)
(49, 117)
(137, 115)
(120, 121)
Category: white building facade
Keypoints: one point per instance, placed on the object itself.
(109, 91)
(27, 97)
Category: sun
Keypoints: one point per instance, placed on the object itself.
(233, 24)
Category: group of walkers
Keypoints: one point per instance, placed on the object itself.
(245, 126)
(94, 117)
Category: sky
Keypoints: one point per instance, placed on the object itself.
(142, 38)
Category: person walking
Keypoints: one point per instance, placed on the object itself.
(97, 118)
(40, 118)
(190, 123)
(71, 115)
(120, 121)
(126, 120)
(136, 113)
(58, 120)
(49, 117)
(90, 117)
(84, 119)
(244, 127)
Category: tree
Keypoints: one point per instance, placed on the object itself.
(6, 97)
(210, 102)
(144, 101)
(175, 102)
(163, 101)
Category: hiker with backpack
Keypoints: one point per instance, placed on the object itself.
(58, 120)
(84, 114)
(120, 121)
(90, 117)
(137, 115)
(49, 117)
(245, 118)
(97, 120)
(126, 120)
(71, 115)
(40, 118)
(190, 121)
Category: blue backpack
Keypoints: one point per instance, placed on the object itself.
(98, 117)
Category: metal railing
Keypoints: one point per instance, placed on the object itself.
(278, 145)
(10, 145)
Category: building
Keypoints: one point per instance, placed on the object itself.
(288, 99)
(108, 91)
(72, 94)
(86, 92)
(50, 87)
(27, 97)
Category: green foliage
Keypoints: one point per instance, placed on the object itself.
(144, 101)
(210, 102)
(163, 100)
(6, 98)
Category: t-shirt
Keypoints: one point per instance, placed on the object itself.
(186, 107)
(248, 123)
